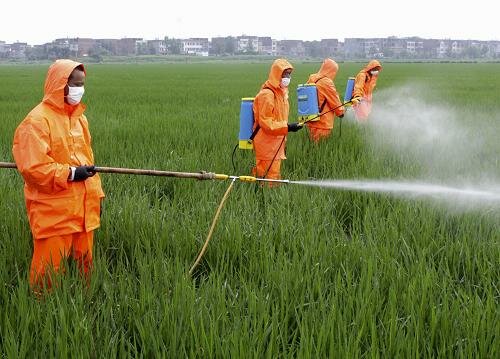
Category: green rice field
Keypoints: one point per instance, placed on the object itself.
(292, 271)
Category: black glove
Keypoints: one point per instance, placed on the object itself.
(294, 126)
(83, 172)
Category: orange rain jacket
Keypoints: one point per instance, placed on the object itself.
(365, 83)
(326, 91)
(270, 110)
(53, 137)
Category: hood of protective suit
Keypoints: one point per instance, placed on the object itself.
(372, 64)
(56, 81)
(328, 69)
(277, 68)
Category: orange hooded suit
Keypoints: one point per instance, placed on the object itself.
(364, 84)
(327, 94)
(62, 214)
(270, 109)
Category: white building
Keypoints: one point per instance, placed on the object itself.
(247, 44)
(195, 46)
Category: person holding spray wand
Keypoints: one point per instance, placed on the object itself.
(328, 101)
(364, 84)
(63, 193)
(271, 109)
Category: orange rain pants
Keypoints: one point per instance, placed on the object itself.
(261, 167)
(49, 252)
(318, 134)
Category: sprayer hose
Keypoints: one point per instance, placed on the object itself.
(212, 227)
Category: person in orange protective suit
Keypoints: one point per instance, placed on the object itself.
(63, 193)
(364, 84)
(328, 99)
(270, 110)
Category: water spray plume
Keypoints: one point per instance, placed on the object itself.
(446, 141)
(412, 190)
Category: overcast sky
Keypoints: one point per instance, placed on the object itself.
(37, 22)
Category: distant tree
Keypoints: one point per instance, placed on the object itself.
(314, 49)
(484, 50)
(58, 52)
(36, 53)
(97, 52)
(472, 52)
(388, 53)
(173, 46)
(230, 45)
(217, 47)
(142, 48)
(223, 46)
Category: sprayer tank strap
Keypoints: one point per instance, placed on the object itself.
(324, 101)
(254, 133)
(257, 128)
(322, 106)
(367, 77)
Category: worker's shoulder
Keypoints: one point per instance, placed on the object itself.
(38, 113)
(362, 73)
(265, 92)
(263, 99)
(324, 82)
(37, 116)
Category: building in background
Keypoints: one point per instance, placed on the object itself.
(247, 45)
(4, 49)
(267, 46)
(195, 46)
(293, 48)
(151, 47)
(350, 49)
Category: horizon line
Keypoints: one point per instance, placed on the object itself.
(244, 35)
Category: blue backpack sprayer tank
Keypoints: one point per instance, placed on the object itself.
(349, 88)
(307, 101)
(246, 124)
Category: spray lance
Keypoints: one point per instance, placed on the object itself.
(196, 175)
(333, 109)
(324, 113)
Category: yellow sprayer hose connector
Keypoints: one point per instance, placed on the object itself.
(247, 179)
(221, 176)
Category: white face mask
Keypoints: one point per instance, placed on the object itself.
(75, 94)
(374, 72)
(285, 81)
